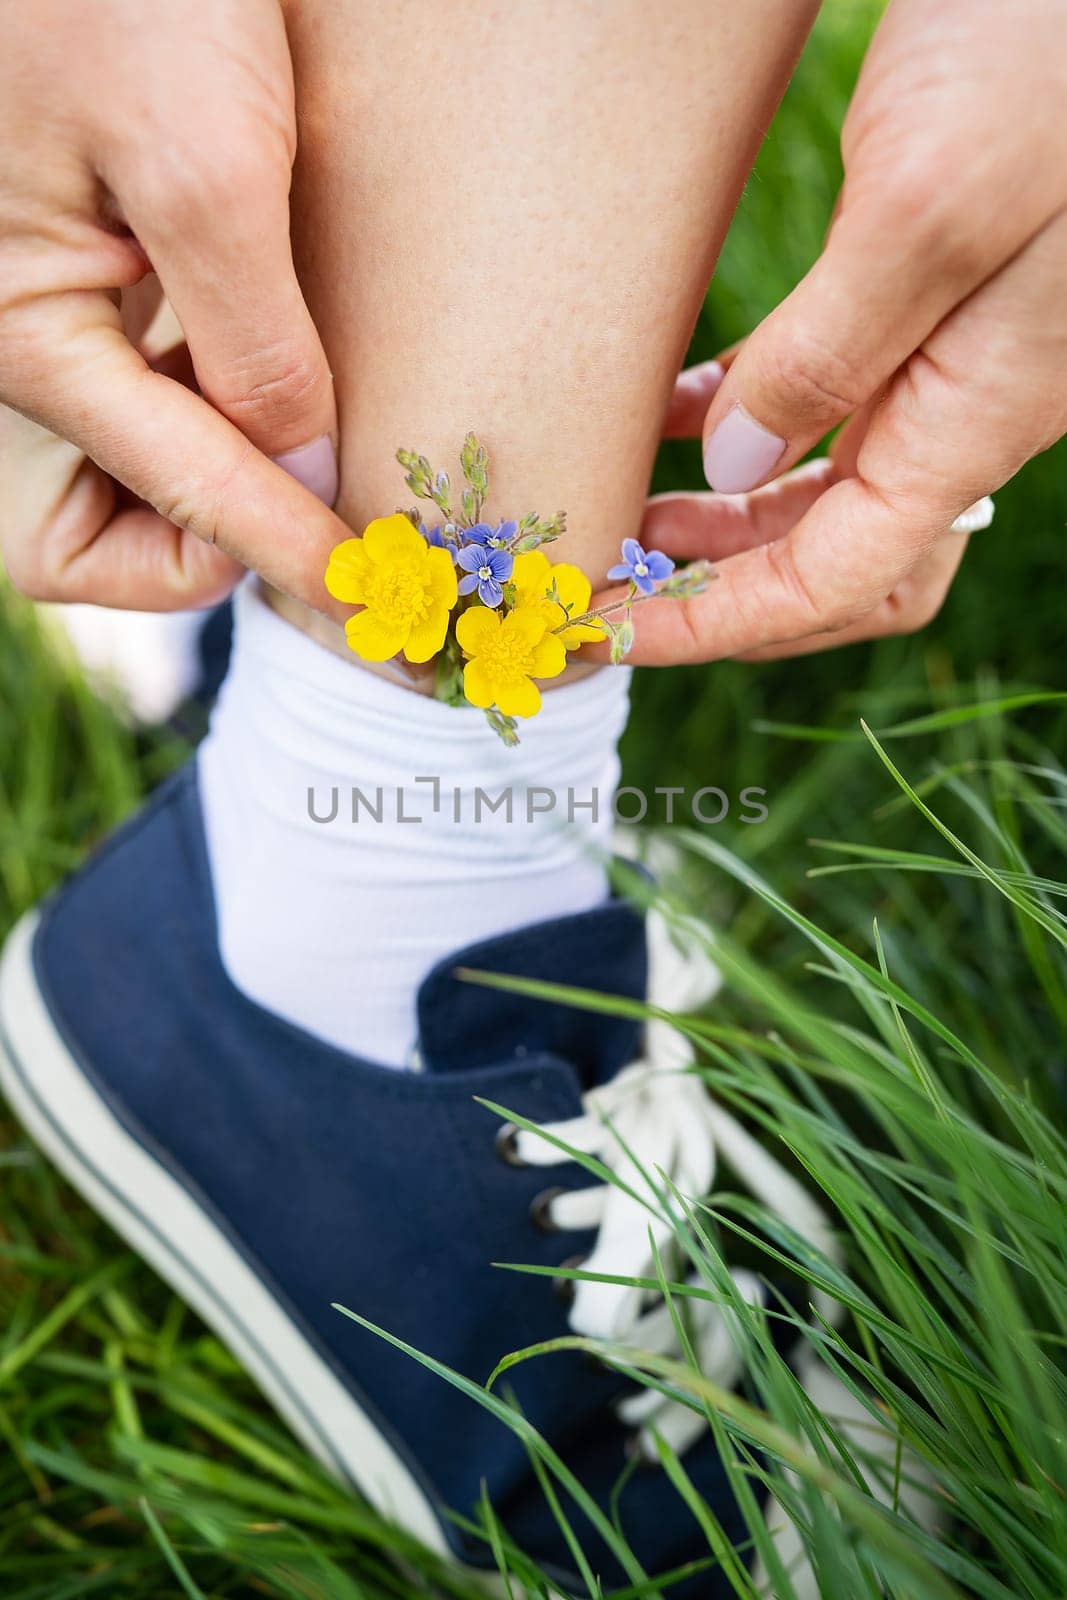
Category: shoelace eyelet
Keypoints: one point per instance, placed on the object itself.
(507, 1145)
(541, 1209)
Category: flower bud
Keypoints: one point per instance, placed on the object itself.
(622, 641)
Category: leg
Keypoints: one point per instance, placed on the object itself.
(506, 219)
(525, 257)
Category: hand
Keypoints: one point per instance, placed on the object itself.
(936, 318)
(139, 140)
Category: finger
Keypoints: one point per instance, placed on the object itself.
(949, 430)
(140, 305)
(81, 379)
(66, 538)
(851, 549)
(66, 534)
(890, 272)
(914, 603)
(37, 466)
(692, 527)
(221, 248)
(848, 441)
(694, 390)
(127, 559)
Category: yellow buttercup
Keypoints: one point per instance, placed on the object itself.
(534, 575)
(505, 652)
(406, 586)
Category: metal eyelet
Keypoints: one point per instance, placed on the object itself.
(564, 1288)
(541, 1209)
(507, 1145)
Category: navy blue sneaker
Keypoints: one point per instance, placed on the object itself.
(267, 1175)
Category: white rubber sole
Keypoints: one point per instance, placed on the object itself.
(162, 1222)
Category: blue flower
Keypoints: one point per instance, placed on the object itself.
(643, 568)
(486, 570)
(491, 538)
(435, 536)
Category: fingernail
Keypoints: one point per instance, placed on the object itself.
(315, 466)
(740, 452)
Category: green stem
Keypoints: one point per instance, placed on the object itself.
(632, 598)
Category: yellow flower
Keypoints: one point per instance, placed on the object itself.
(406, 587)
(506, 652)
(533, 575)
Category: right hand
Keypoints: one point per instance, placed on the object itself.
(145, 140)
(934, 320)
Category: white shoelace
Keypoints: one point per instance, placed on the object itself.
(656, 1127)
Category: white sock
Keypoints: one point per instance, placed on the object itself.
(334, 923)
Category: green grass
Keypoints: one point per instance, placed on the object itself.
(895, 1022)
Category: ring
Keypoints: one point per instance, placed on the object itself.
(976, 517)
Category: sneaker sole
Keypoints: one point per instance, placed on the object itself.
(165, 1225)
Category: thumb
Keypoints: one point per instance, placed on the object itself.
(222, 253)
(876, 292)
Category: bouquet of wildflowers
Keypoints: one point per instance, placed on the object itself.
(481, 596)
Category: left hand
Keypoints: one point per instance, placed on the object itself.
(935, 318)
